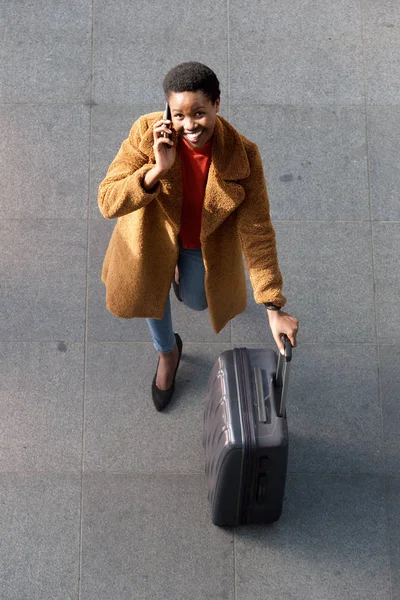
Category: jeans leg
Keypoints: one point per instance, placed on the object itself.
(191, 278)
(191, 288)
(162, 331)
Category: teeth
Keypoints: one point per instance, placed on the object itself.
(194, 136)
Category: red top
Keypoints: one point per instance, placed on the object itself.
(195, 165)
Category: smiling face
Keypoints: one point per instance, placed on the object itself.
(193, 116)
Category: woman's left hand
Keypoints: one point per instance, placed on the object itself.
(282, 323)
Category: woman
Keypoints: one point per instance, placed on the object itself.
(190, 197)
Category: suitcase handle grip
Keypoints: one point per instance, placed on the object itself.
(288, 347)
(282, 372)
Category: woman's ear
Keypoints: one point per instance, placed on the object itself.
(217, 103)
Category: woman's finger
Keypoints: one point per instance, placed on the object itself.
(163, 140)
(159, 131)
(162, 126)
(292, 334)
(162, 133)
(161, 122)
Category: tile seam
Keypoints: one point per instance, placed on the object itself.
(198, 474)
(195, 342)
(369, 181)
(304, 344)
(379, 474)
(389, 558)
(378, 355)
(237, 341)
(237, 105)
(85, 348)
(385, 492)
(144, 474)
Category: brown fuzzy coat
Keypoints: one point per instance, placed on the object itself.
(141, 257)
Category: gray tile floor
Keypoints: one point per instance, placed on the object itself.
(101, 497)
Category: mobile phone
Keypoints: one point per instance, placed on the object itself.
(167, 117)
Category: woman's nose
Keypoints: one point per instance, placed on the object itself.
(189, 125)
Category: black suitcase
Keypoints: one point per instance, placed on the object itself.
(246, 435)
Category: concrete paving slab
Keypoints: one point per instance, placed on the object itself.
(304, 18)
(272, 49)
(330, 543)
(382, 68)
(286, 78)
(393, 525)
(124, 432)
(384, 148)
(389, 375)
(379, 17)
(44, 153)
(39, 536)
(44, 277)
(382, 46)
(326, 266)
(315, 159)
(150, 537)
(41, 405)
(47, 51)
(386, 238)
(334, 412)
(134, 49)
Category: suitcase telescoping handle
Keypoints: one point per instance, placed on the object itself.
(282, 377)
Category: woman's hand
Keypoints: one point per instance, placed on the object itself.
(164, 152)
(164, 147)
(282, 323)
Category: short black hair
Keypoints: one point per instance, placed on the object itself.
(192, 77)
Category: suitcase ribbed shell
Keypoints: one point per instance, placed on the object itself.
(228, 458)
(222, 440)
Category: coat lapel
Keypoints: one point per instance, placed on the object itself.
(229, 164)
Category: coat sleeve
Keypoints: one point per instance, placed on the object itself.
(257, 235)
(122, 192)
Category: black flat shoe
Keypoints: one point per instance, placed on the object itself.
(162, 398)
(176, 289)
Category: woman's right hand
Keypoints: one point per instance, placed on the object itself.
(164, 147)
(164, 152)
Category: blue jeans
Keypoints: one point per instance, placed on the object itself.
(192, 292)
